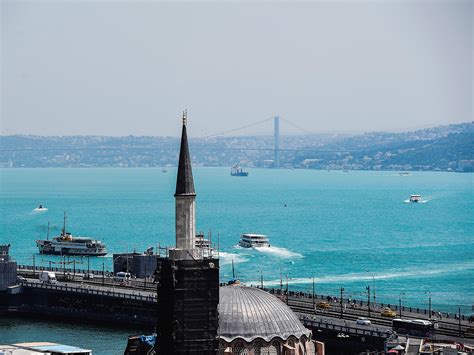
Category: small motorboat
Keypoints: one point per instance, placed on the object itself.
(40, 208)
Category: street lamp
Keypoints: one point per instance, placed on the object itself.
(368, 299)
(373, 286)
(342, 290)
(429, 303)
(400, 303)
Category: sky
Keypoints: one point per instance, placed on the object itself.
(131, 67)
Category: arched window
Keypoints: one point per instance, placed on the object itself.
(276, 346)
(222, 346)
(258, 347)
(240, 349)
(290, 350)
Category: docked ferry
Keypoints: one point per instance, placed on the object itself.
(250, 240)
(204, 245)
(67, 244)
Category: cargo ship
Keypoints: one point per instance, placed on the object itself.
(238, 171)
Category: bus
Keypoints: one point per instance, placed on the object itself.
(416, 327)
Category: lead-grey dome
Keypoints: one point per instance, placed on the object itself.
(250, 313)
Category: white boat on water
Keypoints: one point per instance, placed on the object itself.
(415, 198)
(40, 208)
(250, 240)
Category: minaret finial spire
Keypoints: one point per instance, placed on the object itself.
(185, 117)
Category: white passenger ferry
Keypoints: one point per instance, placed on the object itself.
(250, 240)
(67, 244)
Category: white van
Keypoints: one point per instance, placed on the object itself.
(122, 276)
(48, 277)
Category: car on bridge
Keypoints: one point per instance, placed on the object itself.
(323, 305)
(88, 276)
(363, 321)
(388, 312)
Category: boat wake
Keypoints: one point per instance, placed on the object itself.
(280, 252)
(416, 272)
(226, 258)
(39, 210)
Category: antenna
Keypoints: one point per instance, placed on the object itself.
(218, 245)
(47, 235)
(210, 243)
(233, 270)
(64, 224)
(281, 281)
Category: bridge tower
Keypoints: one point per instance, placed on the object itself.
(276, 125)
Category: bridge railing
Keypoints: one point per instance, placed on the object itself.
(91, 290)
(361, 303)
(63, 270)
(320, 324)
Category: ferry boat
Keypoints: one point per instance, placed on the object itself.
(67, 244)
(203, 244)
(238, 171)
(250, 240)
(415, 198)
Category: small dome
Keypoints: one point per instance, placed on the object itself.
(250, 313)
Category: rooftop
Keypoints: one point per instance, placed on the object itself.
(249, 313)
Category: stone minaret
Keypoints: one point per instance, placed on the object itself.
(188, 282)
(185, 204)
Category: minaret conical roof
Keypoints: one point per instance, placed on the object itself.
(184, 180)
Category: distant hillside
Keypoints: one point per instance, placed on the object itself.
(440, 148)
(447, 148)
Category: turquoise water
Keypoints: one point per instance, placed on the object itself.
(344, 229)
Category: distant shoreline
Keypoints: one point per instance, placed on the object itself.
(228, 167)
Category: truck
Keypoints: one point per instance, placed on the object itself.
(48, 277)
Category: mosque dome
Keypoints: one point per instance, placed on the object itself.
(251, 318)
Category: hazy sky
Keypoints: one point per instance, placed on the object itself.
(130, 67)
